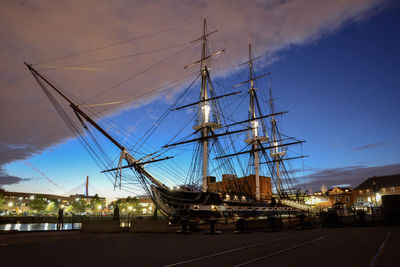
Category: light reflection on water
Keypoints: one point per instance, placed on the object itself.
(37, 226)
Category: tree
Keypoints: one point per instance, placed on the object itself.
(53, 207)
(130, 205)
(79, 205)
(37, 204)
(2, 203)
(95, 202)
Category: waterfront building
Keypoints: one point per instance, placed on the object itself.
(342, 196)
(372, 189)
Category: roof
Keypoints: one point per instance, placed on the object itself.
(24, 194)
(382, 181)
(334, 190)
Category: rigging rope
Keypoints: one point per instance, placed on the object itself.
(136, 74)
(117, 43)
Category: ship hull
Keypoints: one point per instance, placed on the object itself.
(176, 204)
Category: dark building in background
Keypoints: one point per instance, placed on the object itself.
(371, 190)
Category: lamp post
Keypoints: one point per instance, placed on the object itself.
(375, 188)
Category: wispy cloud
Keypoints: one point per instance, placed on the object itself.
(6, 179)
(368, 146)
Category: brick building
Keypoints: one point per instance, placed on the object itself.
(233, 188)
(336, 195)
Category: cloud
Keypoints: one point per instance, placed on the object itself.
(35, 31)
(368, 146)
(6, 179)
(352, 175)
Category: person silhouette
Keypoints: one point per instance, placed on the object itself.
(116, 213)
(60, 219)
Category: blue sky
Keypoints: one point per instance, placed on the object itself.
(342, 91)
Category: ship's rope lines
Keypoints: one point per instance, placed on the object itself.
(157, 90)
(45, 67)
(118, 43)
(90, 144)
(136, 74)
(85, 142)
(231, 42)
(219, 109)
(219, 151)
(102, 164)
(110, 124)
(243, 188)
(227, 163)
(154, 127)
(194, 172)
(289, 176)
(119, 128)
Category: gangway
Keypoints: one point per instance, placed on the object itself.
(299, 205)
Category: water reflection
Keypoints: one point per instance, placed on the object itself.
(38, 226)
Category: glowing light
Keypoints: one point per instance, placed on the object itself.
(99, 207)
(255, 126)
(144, 211)
(130, 208)
(10, 204)
(206, 109)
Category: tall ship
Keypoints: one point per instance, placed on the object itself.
(237, 165)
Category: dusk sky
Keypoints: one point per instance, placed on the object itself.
(335, 68)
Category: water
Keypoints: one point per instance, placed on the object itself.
(38, 226)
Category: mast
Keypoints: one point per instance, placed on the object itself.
(205, 108)
(275, 153)
(205, 123)
(254, 126)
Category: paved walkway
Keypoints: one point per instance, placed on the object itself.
(318, 247)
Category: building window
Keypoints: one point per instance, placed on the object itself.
(392, 189)
(336, 199)
(367, 191)
(383, 190)
(360, 192)
(369, 199)
(347, 199)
